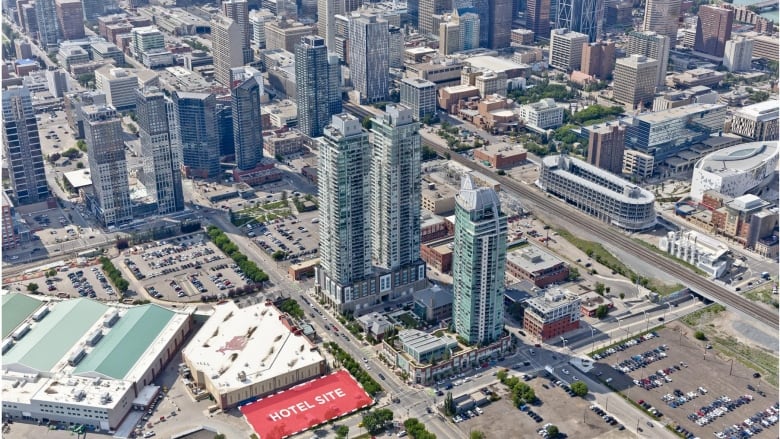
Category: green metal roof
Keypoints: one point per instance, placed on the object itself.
(16, 308)
(51, 338)
(123, 345)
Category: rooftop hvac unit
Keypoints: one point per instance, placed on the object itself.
(40, 314)
(77, 357)
(94, 338)
(21, 332)
(7, 344)
(111, 319)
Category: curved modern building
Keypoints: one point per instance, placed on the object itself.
(598, 192)
(736, 170)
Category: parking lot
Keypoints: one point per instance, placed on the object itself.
(682, 382)
(570, 414)
(296, 236)
(183, 268)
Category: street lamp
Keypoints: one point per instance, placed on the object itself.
(564, 342)
(669, 308)
(647, 321)
(592, 339)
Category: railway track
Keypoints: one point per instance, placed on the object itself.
(606, 233)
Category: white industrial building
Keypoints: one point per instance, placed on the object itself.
(82, 362)
(736, 170)
(242, 354)
(597, 192)
(699, 250)
(542, 115)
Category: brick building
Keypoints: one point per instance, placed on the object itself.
(537, 266)
(501, 155)
(552, 314)
(438, 254)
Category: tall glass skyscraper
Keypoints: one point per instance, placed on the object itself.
(247, 133)
(313, 85)
(160, 149)
(478, 264)
(197, 120)
(22, 147)
(369, 48)
(395, 188)
(583, 16)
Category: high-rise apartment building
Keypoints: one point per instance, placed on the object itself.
(10, 237)
(326, 20)
(344, 192)
(713, 30)
(606, 144)
(160, 149)
(93, 9)
(419, 95)
(598, 59)
(48, 27)
(478, 264)
(197, 120)
(661, 17)
(395, 188)
(566, 49)
(537, 18)
(313, 84)
(227, 43)
(738, 54)
(652, 45)
(429, 8)
(238, 11)
(247, 133)
(107, 165)
(634, 80)
(583, 16)
(22, 147)
(500, 12)
(70, 17)
(369, 39)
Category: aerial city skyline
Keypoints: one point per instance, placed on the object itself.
(353, 219)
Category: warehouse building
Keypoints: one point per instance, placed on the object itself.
(63, 363)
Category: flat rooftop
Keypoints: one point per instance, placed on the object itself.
(678, 112)
(252, 341)
(422, 342)
(493, 63)
(503, 148)
(532, 259)
(739, 158)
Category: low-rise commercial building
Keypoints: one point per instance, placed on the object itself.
(424, 347)
(598, 192)
(438, 199)
(242, 354)
(438, 254)
(702, 251)
(542, 115)
(537, 266)
(552, 314)
(433, 304)
(283, 143)
(450, 97)
(501, 155)
(591, 301)
(375, 324)
(701, 76)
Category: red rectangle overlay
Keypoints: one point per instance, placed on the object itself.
(306, 405)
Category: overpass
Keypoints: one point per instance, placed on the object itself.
(765, 5)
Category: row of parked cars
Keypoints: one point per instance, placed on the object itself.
(624, 346)
(609, 419)
(657, 379)
(81, 284)
(134, 269)
(708, 413)
(468, 414)
(678, 398)
(652, 410)
(642, 360)
(751, 426)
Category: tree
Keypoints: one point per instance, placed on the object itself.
(366, 123)
(552, 431)
(579, 388)
(82, 145)
(599, 288)
(501, 375)
(602, 311)
(32, 287)
(220, 436)
(449, 405)
(699, 335)
(574, 274)
(278, 255)
(54, 157)
(79, 165)
(342, 431)
(501, 172)
(477, 434)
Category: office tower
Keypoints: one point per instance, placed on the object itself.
(598, 59)
(93, 9)
(584, 16)
(634, 80)
(247, 132)
(287, 9)
(307, 10)
(713, 30)
(107, 165)
(652, 45)
(606, 144)
(395, 47)
(478, 264)
(460, 31)
(198, 134)
(369, 37)
(237, 11)
(22, 147)
(28, 17)
(500, 23)
(313, 85)
(344, 194)
(419, 95)
(449, 36)
(226, 40)
(482, 8)
(160, 149)
(285, 34)
(57, 80)
(70, 18)
(738, 54)
(326, 20)
(257, 22)
(661, 17)
(395, 188)
(225, 128)
(48, 28)
(566, 49)
(119, 85)
(429, 8)
(537, 18)
(146, 39)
